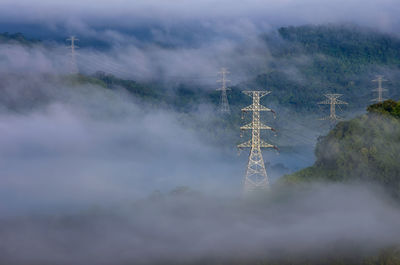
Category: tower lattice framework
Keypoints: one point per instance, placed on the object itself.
(380, 89)
(256, 177)
(332, 100)
(224, 104)
(73, 47)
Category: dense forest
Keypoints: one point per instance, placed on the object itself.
(329, 59)
(362, 149)
(16, 38)
(305, 63)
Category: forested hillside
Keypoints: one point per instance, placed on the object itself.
(364, 149)
(305, 62)
(313, 60)
(16, 38)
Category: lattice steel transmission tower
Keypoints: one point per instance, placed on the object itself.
(333, 101)
(224, 105)
(256, 177)
(73, 63)
(380, 90)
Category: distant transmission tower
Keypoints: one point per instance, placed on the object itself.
(332, 101)
(224, 105)
(380, 90)
(73, 46)
(256, 176)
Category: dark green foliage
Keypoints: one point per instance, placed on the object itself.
(16, 38)
(306, 63)
(309, 61)
(349, 43)
(146, 91)
(366, 149)
(78, 79)
(388, 107)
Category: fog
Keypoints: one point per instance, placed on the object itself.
(83, 144)
(320, 221)
(95, 175)
(90, 175)
(79, 145)
(129, 57)
(80, 15)
(181, 39)
(196, 65)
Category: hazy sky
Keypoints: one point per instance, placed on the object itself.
(207, 34)
(82, 15)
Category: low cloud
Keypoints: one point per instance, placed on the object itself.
(77, 145)
(75, 14)
(321, 221)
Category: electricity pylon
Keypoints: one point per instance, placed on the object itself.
(256, 177)
(224, 105)
(380, 90)
(332, 101)
(73, 46)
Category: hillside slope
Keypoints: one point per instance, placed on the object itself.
(366, 148)
(309, 61)
(304, 62)
(16, 38)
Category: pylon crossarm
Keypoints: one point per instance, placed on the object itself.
(340, 102)
(377, 89)
(257, 108)
(264, 144)
(380, 80)
(224, 81)
(72, 38)
(333, 118)
(264, 93)
(252, 126)
(248, 108)
(75, 47)
(333, 95)
(244, 145)
(326, 118)
(265, 127)
(325, 102)
(261, 93)
(378, 99)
